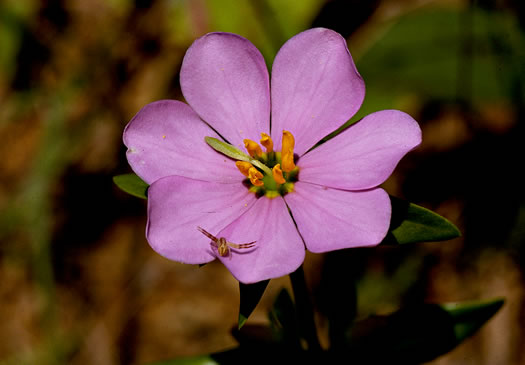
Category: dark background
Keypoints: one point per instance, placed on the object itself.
(78, 282)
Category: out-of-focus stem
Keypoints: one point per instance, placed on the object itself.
(304, 309)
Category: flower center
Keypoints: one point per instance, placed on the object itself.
(280, 164)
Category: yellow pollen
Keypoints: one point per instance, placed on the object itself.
(244, 167)
(288, 143)
(267, 142)
(253, 148)
(278, 174)
(255, 177)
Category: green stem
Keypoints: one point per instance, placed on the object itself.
(304, 307)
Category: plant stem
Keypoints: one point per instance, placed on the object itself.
(304, 307)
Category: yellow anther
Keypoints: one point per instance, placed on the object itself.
(288, 144)
(267, 142)
(255, 176)
(253, 148)
(278, 174)
(244, 167)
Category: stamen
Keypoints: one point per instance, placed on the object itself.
(255, 176)
(244, 167)
(288, 143)
(278, 174)
(267, 142)
(253, 148)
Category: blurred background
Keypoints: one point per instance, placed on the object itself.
(79, 283)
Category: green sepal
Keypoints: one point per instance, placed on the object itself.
(417, 334)
(132, 184)
(250, 295)
(411, 223)
(227, 149)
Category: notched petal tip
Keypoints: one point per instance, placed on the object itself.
(166, 138)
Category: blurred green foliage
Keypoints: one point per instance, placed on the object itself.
(443, 54)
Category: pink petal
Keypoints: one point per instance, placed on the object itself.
(364, 155)
(225, 80)
(330, 219)
(167, 138)
(315, 87)
(177, 205)
(279, 249)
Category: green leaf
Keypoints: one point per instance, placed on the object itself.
(412, 223)
(283, 319)
(250, 294)
(417, 334)
(227, 149)
(132, 184)
(469, 317)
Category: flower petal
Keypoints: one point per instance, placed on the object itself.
(364, 155)
(225, 80)
(167, 138)
(177, 205)
(279, 249)
(331, 219)
(315, 87)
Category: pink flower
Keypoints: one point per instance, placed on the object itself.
(328, 199)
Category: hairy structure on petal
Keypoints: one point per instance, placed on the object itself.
(223, 246)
